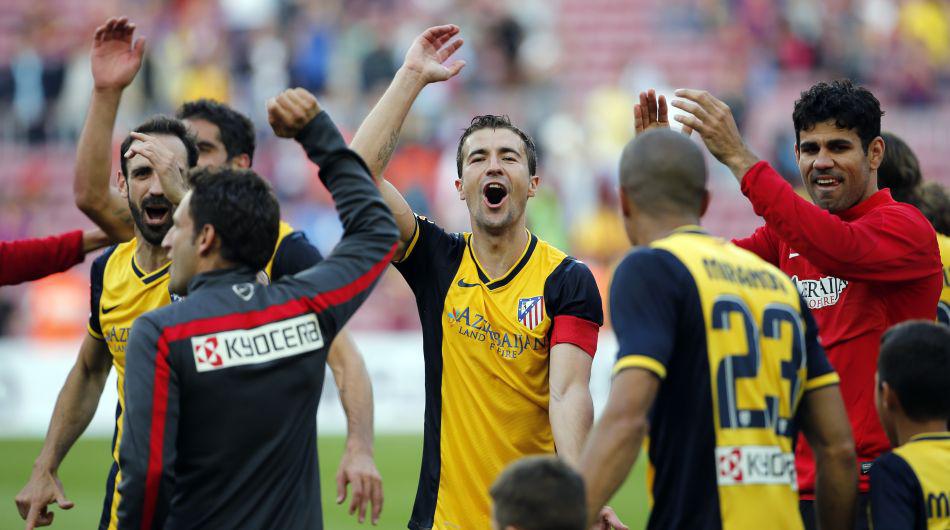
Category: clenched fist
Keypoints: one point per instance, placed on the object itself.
(290, 111)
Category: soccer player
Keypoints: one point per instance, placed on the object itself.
(861, 260)
(910, 486)
(127, 280)
(509, 322)
(539, 493)
(31, 259)
(900, 173)
(222, 388)
(225, 138)
(719, 361)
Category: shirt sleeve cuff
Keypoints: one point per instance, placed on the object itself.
(73, 241)
(640, 361)
(94, 334)
(412, 243)
(577, 331)
(831, 378)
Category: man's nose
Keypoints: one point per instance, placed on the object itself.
(824, 160)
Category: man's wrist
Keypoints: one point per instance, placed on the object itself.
(108, 92)
(741, 163)
(355, 444)
(410, 78)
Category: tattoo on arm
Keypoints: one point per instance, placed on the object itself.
(123, 215)
(386, 151)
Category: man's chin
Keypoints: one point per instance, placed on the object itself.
(154, 235)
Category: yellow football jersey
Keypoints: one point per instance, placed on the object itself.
(910, 486)
(121, 292)
(943, 306)
(736, 349)
(486, 345)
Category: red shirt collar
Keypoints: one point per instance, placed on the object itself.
(859, 210)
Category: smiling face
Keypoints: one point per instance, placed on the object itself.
(151, 211)
(495, 182)
(837, 172)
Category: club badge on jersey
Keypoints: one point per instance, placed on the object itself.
(531, 311)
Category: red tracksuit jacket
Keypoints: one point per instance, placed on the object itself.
(32, 259)
(860, 271)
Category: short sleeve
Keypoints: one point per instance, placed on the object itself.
(573, 301)
(295, 253)
(646, 296)
(819, 371)
(432, 252)
(96, 281)
(895, 494)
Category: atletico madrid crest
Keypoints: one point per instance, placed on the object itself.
(531, 311)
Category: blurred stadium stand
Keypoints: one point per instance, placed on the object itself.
(566, 70)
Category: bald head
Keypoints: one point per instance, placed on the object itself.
(663, 172)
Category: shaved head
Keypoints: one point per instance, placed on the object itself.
(664, 173)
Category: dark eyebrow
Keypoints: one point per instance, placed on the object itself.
(840, 142)
(482, 152)
(509, 150)
(205, 143)
(141, 170)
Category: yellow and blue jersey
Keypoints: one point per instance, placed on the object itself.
(943, 306)
(486, 345)
(735, 349)
(121, 291)
(910, 486)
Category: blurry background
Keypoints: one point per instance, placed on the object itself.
(566, 71)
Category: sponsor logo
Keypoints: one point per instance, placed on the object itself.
(117, 338)
(866, 467)
(262, 344)
(243, 290)
(107, 309)
(822, 292)
(531, 311)
(792, 255)
(755, 464)
(477, 328)
(463, 283)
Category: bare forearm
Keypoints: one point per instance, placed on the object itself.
(93, 167)
(571, 416)
(75, 407)
(377, 136)
(608, 456)
(356, 391)
(836, 489)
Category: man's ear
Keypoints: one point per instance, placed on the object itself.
(533, 182)
(241, 161)
(889, 398)
(458, 186)
(207, 240)
(876, 153)
(798, 153)
(123, 185)
(705, 204)
(625, 208)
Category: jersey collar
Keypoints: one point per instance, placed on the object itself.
(930, 436)
(510, 275)
(859, 210)
(221, 277)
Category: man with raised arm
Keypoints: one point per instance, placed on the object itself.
(862, 261)
(509, 322)
(222, 388)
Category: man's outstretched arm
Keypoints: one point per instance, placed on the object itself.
(115, 61)
(377, 136)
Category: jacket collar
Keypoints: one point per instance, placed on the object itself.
(221, 277)
(857, 211)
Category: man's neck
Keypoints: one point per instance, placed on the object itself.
(149, 257)
(907, 428)
(498, 252)
(650, 229)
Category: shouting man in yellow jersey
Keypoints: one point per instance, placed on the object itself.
(224, 137)
(510, 323)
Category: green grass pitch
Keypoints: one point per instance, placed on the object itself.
(397, 456)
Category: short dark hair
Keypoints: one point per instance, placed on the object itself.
(237, 130)
(663, 171)
(934, 203)
(540, 493)
(900, 170)
(243, 210)
(490, 121)
(161, 125)
(850, 106)
(915, 362)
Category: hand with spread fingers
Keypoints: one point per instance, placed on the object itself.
(652, 113)
(713, 120)
(430, 50)
(115, 58)
(289, 112)
(162, 161)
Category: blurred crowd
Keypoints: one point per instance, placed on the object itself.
(565, 70)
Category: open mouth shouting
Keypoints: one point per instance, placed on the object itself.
(494, 195)
(156, 212)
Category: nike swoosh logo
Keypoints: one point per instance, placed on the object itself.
(107, 309)
(792, 255)
(463, 283)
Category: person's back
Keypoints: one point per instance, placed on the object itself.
(910, 486)
(718, 353)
